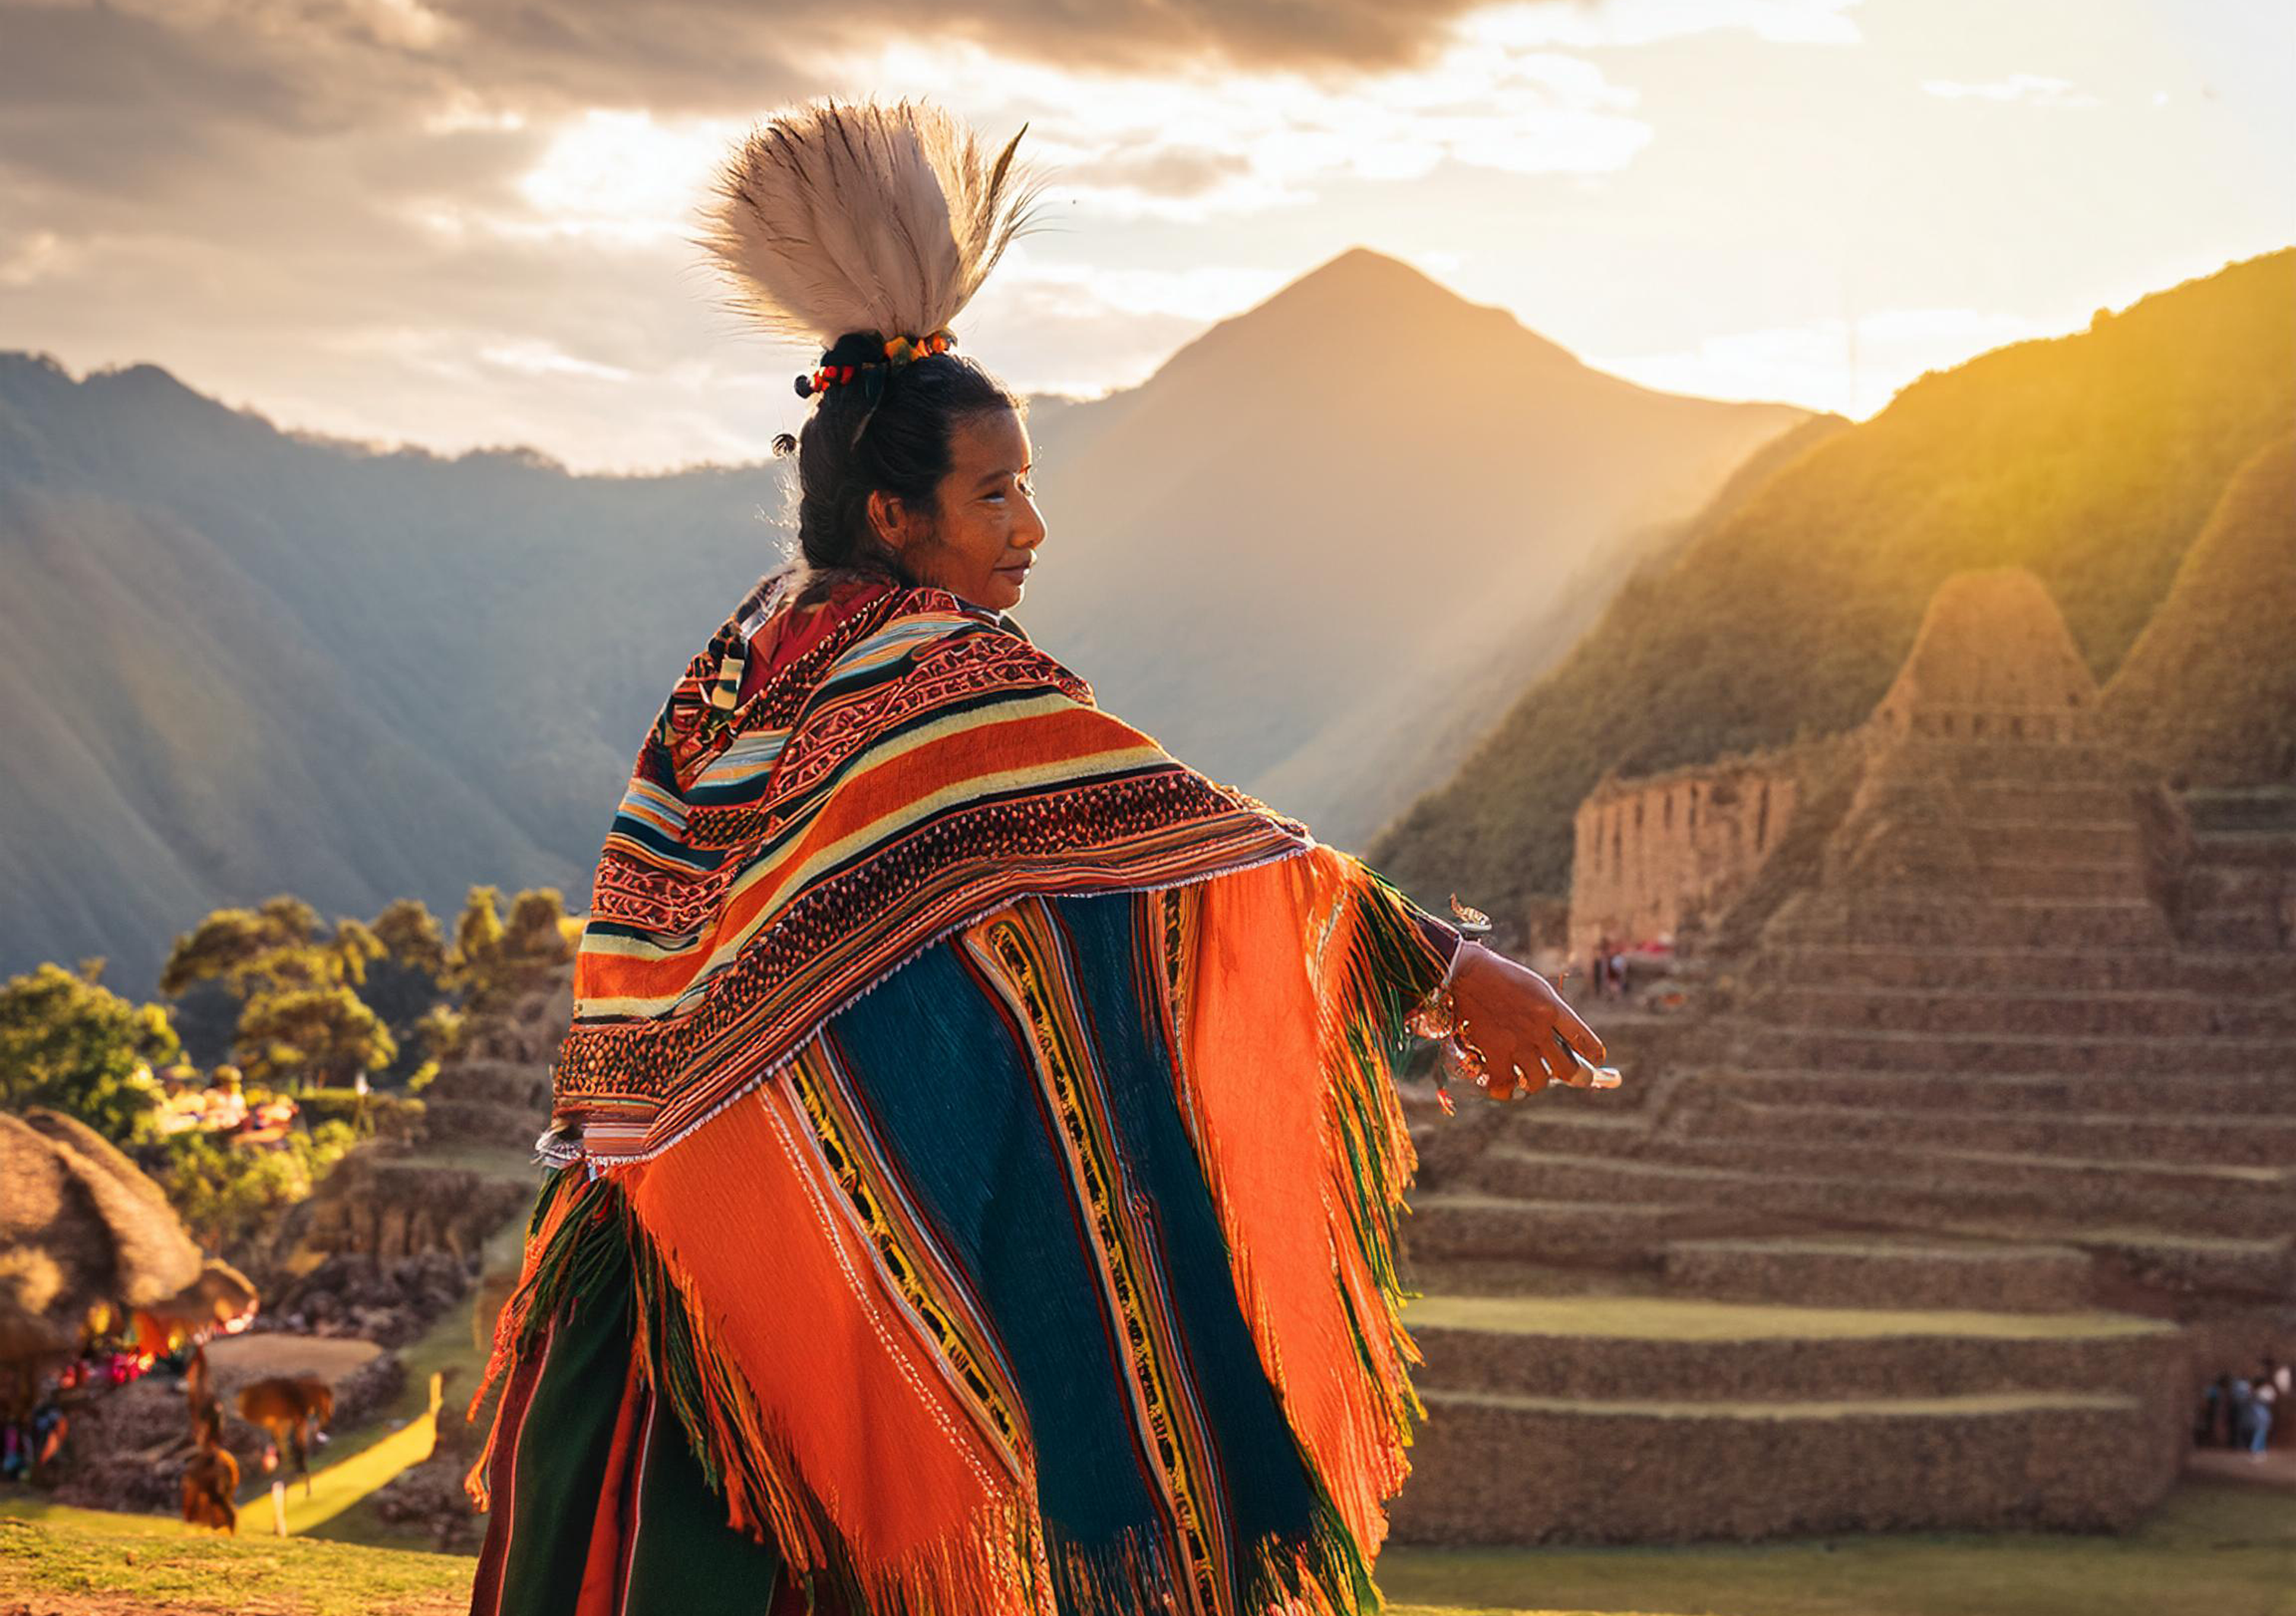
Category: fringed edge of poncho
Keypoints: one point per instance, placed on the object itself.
(1367, 965)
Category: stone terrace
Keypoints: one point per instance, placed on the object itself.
(1983, 1136)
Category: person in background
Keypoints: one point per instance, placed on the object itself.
(2264, 1400)
(2213, 1423)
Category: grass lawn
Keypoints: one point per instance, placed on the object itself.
(2216, 1548)
(77, 1562)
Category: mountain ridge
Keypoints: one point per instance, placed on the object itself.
(252, 659)
(2094, 459)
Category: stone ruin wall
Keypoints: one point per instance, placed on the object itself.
(1649, 854)
(1992, 661)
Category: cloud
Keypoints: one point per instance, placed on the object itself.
(469, 219)
(1192, 147)
(1632, 22)
(2033, 89)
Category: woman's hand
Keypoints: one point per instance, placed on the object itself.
(1521, 1026)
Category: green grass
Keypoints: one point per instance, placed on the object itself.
(2215, 1549)
(75, 1560)
(1670, 1318)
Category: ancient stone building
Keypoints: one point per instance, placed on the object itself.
(1993, 662)
(1652, 852)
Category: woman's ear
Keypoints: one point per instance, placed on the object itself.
(890, 518)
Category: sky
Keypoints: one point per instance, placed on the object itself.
(473, 223)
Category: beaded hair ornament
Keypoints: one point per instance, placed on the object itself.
(854, 358)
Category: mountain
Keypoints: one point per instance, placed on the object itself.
(243, 660)
(2094, 460)
(1325, 524)
(2208, 692)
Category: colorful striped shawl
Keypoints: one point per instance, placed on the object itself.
(907, 763)
(923, 1012)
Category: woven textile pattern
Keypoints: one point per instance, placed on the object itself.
(984, 1157)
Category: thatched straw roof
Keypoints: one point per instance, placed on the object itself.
(220, 1294)
(80, 1223)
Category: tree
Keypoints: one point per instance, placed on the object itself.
(67, 1042)
(441, 1033)
(536, 934)
(274, 946)
(476, 964)
(229, 1197)
(326, 1033)
(352, 948)
(494, 961)
(478, 935)
(410, 936)
(408, 982)
(223, 948)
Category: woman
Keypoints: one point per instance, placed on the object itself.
(975, 1155)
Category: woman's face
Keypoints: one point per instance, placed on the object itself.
(984, 540)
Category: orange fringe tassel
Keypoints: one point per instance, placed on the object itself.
(1309, 1213)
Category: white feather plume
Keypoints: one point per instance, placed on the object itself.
(836, 216)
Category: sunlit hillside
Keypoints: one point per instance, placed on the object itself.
(2094, 459)
(2208, 691)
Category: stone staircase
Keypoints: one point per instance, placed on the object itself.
(1904, 1230)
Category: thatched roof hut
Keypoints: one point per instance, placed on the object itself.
(82, 1225)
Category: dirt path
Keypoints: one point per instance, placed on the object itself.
(2277, 1468)
(278, 1352)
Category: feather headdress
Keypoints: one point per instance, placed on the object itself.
(834, 218)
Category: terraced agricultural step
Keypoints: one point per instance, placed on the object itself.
(1468, 1223)
(2233, 925)
(1492, 1467)
(2255, 1268)
(2247, 1197)
(1484, 1233)
(2032, 840)
(2216, 1095)
(2253, 1140)
(2242, 810)
(1851, 1198)
(2238, 977)
(1903, 920)
(1876, 1271)
(1759, 1045)
(2144, 1012)
(448, 1120)
(1605, 1348)
(2062, 877)
(2016, 802)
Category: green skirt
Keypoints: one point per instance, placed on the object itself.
(599, 1506)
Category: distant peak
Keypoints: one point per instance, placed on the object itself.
(1364, 268)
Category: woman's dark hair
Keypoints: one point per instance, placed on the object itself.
(848, 449)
